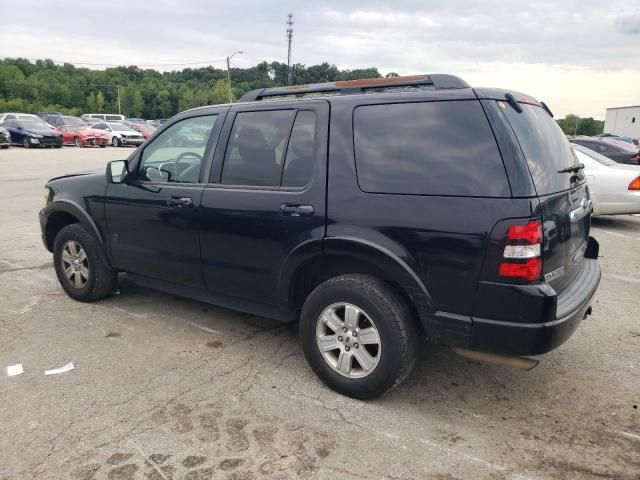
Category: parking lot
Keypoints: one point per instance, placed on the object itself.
(168, 388)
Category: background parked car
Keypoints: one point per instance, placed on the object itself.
(144, 128)
(57, 120)
(620, 154)
(615, 188)
(105, 117)
(5, 138)
(83, 135)
(624, 138)
(120, 134)
(46, 116)
(15, 116)
(621, 142)
(33, 132)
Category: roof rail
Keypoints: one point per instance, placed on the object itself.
(346, 87)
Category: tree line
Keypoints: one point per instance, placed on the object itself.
(43, 85)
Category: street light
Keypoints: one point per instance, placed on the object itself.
(240, 52)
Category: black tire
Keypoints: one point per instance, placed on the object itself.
(102, 146)
(4, 147)
(102, 279)
(393, 320)
(25, 142)
(77, 142)
(115, 141)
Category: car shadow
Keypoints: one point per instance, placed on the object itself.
(620, 223)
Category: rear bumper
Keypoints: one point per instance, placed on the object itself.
(534, 338)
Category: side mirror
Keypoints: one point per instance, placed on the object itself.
(117, 171)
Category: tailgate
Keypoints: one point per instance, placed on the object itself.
(565, 206)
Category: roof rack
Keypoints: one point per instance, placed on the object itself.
(347, 87)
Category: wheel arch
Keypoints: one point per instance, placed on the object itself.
(61, 213)
(304, 272)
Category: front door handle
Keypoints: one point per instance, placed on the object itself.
(180, 202)
(297, 210)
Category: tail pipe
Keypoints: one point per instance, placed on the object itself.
(522, 363)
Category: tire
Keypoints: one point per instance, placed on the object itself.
(4, 147)
(381, 309)
(25, 142)
(77, 142)
(115, 141)
(102, 146)
(97, 278)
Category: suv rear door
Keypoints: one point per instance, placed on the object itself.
(266, 196)
(565, 205)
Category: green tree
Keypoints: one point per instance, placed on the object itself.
(91, 104)
(99, 102)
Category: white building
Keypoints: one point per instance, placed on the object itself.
(623, 121)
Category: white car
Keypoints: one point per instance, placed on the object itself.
(614, 187)
(17, 116)
(120, 134)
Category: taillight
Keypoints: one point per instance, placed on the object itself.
(521, 256)
(635, 184)
(635, 158)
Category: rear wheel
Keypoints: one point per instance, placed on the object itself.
(79, 261)
(358, 335)
(77, 141)
(102, 146)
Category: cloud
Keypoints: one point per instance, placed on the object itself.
(628, 24)
(466, 37)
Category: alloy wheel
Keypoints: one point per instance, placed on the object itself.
(75, 264)
(348, 340)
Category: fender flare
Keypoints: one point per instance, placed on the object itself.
(72, 208)
(394, 267)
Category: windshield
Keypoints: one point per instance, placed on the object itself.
(593, 155)
(34, 125)
(118, 127)
(544, 145)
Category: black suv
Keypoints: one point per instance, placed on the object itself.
(378, 212)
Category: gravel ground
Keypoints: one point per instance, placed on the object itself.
(168, 388)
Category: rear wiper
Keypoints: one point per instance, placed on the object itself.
(574, 169)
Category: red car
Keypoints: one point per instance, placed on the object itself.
(83, 136)
(145, 129)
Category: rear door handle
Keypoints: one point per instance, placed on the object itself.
(180, 202)
(297, 210)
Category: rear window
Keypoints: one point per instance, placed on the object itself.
(428, 148)
(544, 145)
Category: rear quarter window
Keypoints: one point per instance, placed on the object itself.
(428, 148)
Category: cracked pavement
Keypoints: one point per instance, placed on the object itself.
(167, 388)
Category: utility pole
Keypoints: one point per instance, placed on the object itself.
(289, 37)
(229, 73)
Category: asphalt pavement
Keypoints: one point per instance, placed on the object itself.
(166, 388)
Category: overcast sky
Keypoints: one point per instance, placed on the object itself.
(578, 56)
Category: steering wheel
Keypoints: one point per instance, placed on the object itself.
(188, 168)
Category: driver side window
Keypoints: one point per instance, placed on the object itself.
(176, 154)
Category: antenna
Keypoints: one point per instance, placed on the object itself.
(289, 38)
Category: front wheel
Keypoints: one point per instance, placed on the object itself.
(80, 265)
(26, 143)
(358, 335)
(115, 141)
(77, 141)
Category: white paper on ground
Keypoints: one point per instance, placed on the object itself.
(55, 371)
(13, 370)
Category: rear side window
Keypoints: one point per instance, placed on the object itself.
(256, 148)
(428, 148)
(298, 165)
(544, 145)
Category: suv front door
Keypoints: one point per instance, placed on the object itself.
(152, 219)
(266, 196)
